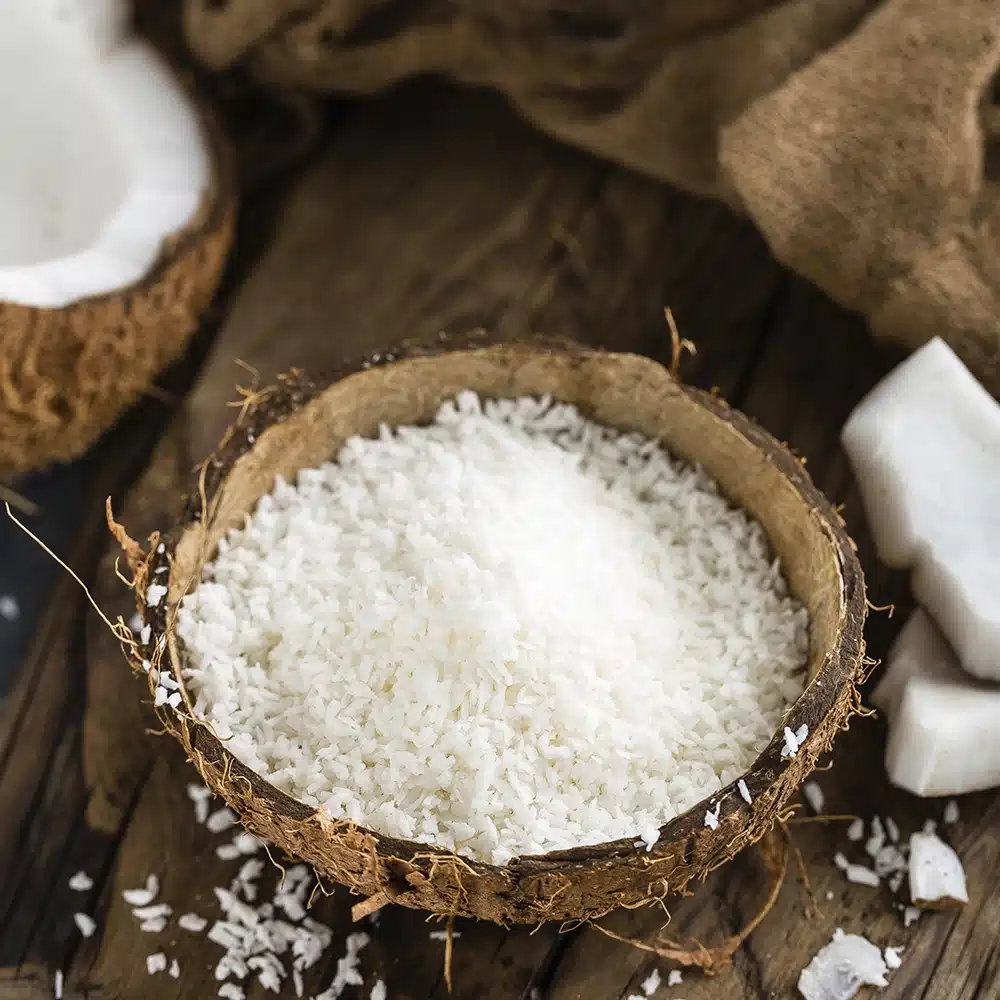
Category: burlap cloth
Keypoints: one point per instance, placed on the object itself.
(862, 137)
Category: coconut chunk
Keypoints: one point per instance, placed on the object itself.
(925, 444)
(842, 967)
(937, 878)
(943, 738)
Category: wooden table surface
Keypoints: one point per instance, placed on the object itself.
(438, 210)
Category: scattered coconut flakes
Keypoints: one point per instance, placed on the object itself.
(317, 756)
(712, 818)
(791, 747)
(143, 897)
(814, 796)
(135, 623)
(192, 922)
(930, 826)
(896, 882)
(231, 991)
(297, 981)
(744, 791)
(379, 991)
(160, 549)
(246, 843)
(841, 862)
(443, 935)
(85, 924)
(892, 828)
(227, 852)
(652, 982)
(840, 968)
(156, 963)
(888, 860)
(347, 968)
(937, 878)
(891, 956)
(861, 875)
(200, 796)
(221, 820)
(829, 894)
(877, 839)
(154, 925)
(175, 970)
(951, 812)
(155, 593)
(856, 830)
(910, 915)
(152, 912)
(174, 700)
(10, 610)
(674, 978)
(81, 882)
(58, 984)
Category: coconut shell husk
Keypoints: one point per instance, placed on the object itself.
(297, 424)
(67, 374)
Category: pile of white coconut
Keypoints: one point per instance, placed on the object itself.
(508, 632)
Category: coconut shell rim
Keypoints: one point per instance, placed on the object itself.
(832, 700)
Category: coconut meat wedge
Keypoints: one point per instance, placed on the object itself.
(104, 154)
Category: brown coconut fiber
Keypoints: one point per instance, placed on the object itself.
(862, 136)
(297, 424)
(66, 375)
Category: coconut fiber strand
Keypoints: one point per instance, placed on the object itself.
(862, 137)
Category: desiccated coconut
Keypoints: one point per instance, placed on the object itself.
(814, 796)
(479, 581)
(937, 878)
(85, 924)
(81, 882)
(156, 963)
(145, 896)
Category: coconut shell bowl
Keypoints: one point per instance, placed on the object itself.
(298, 424)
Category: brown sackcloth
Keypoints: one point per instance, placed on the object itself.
(863, 137)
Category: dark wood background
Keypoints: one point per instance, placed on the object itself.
(429, 210)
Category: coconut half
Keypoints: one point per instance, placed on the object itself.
(297, 424)
(115, 217)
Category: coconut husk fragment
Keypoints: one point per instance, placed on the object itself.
(298, 423)
(862, 136)
(67, 374)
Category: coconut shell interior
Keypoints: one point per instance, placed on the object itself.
(297, 425)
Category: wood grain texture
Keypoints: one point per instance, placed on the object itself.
(467, 221)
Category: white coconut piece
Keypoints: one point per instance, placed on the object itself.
(937, 878)
(925, 448)
(841, 968)
(104, 156)
(943, 736)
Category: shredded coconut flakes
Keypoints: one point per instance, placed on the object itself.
(496, 590)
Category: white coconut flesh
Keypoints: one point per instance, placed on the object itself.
(103, 152)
